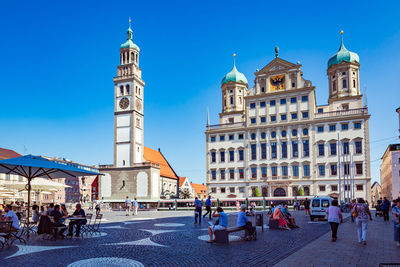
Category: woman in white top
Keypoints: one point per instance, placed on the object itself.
(334, 218)
(363, 213)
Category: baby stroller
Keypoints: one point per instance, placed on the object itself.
(379, 211)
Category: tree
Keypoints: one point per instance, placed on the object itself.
(184, 193)
(257, 192)
(301, 191)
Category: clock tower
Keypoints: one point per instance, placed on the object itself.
(128, 111)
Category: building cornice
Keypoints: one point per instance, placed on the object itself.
(280, 92)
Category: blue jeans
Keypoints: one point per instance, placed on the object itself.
(197, 214)
(396, 233)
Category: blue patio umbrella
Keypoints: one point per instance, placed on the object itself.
(31, 167)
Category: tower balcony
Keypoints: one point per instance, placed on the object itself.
(225, 126)
(341, 113)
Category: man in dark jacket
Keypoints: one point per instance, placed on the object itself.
(56, 214)
(385, 209)
(79, 213)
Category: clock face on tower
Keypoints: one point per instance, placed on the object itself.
(124, 103)
(138, 105)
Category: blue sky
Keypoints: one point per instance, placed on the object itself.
(58, 61)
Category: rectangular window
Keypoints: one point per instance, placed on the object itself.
(320, 129)
(332, 127)
(321, 169)
(306, 170)
(284, 150)
(231, 155)
(253, 172)
(273, 150)
(263, 119)
(240, 137)
(346, 168)
(274, 171)
(222, 138)
(283, 117)
(345, 126)
(273, 118)
(263, 150)
(263, 172)
(222, 173)
(231, 190)
(241, 173)
(241, 189)
(359, 168)
(231, 174)
(253, 152)
(212, 138)
(241, 154)
(272, 103)
(305, 115)
(320, 110)
(360, 187)
(213, 156)
(333, 148)
(285, 171)
(222, 156)
(295, 149)
(262, 104)
(213, 174)
(357, 125)
(306, 148)
(304, 98)
(293, 100)
(252, 105)
(231, 137)
(295, 170)
(344, 83)
(222, 189)
(294, 116)
(333, 169)
(358, 147)
(334, 187)
(283, 101)
(346, 148)
(253, 120)
(321, 149)
(322, 188)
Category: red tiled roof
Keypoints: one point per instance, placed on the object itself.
(157, 157)
(181, 181)
(8, 153)
(200, 189)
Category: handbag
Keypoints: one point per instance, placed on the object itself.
(355, 212)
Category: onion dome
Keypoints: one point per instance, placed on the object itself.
(234, 75)
(129, 43)
(343, 55)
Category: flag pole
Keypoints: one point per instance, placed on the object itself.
(338, 170)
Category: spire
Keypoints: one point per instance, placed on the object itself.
(208, 117)
(234, 60)
(276, 51)
(129, 32)
(342, 47)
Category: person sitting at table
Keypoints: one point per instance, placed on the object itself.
(56, 213)
(50, 209)
(11, 216)
(42, 212)
(79, 212)
(35, 215)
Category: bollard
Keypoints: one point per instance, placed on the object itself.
(264, 203)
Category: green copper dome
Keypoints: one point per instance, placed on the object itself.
(343, 55)
(234, 75)
(129, 43)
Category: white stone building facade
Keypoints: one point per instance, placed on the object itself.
(276, 138)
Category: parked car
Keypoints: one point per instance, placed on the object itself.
(319, 205)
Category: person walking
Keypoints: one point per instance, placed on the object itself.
(208, 207)
(396, 221)
(307, 206)
(135, 205)
(97, 207)
(334, 218)
(385, 209)
(197, 209)
(362, 213)
(353, 216)
(128, 205)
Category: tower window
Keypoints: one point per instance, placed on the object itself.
(293, 85)
(262, 89)
(231, 100)
(123, 163)
(334, 86)
(127, 90)
(240, 100)
(121, 90)
(344, 83)
(132, 56)
(343, 73)
(354, 83)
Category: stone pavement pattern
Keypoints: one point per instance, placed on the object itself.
(346, 251)
(148, 240)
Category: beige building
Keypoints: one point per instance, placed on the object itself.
(276, 138)
(390, 172)
(376, 193)
(137, 171)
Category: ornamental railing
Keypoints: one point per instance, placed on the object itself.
(339, 113)
(111, 166)
(224, 126)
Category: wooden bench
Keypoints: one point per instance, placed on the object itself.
(222, 236)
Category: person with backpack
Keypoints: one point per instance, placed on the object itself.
(362, 212)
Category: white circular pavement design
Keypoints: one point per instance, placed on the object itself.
(170, 224)
(109, 262)
(232, 238)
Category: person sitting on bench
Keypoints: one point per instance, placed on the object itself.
(289, 218)
(244, 223)
(283, 224)
(250, 212)
(222, 224)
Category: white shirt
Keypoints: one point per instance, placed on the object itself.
(135, 203)
(15, 222)
(127, 201)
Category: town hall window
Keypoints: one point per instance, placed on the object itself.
(344, 83)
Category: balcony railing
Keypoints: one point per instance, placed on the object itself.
(340, 113)
(224, 126)
(111, 166)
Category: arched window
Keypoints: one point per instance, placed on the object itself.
(127, 90)
(334, 86)
(137, 58)
(279, 192)
(305, 131)
(132, 56)
(354, 83)
(127, 57)
(139, 91)
(294, 132)
(123, 58)
(306, 191)
(123, 183)
(123, 163)
(265, 192)
(273, 134)
(231, 100)
(283, 133)
(344, 83)
(121, 90)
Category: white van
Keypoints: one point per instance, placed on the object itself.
(318, 207)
